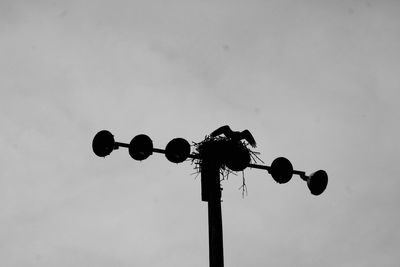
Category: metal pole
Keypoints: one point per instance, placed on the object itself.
(215, 234)
(211, 154)
(211, 192)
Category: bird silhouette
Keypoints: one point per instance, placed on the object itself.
(237, 136)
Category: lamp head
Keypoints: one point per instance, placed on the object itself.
(317, 182)
(237, 156)
(281, 170)
(141, 147)
(177, 150)
(103, 143)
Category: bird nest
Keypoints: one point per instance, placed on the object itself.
(231, 156)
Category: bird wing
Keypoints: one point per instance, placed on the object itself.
(246, 135)
(225, 130)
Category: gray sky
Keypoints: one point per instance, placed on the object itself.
(314, 81)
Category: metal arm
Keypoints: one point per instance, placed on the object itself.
(302, 174)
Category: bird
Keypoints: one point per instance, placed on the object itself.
(235, 135)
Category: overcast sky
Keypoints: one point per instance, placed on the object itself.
(315, 81)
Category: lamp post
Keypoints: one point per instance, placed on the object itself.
(214, 155)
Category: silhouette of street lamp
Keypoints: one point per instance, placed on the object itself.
(229, 152)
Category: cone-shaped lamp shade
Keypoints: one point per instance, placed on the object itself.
(103, 143)
(317, 182)
(141, 147)
(281, 170)
(237, 156)
(177, 150)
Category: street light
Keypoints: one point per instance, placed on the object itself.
(177, 150)
(214, 154)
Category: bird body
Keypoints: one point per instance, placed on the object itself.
(235, 135)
